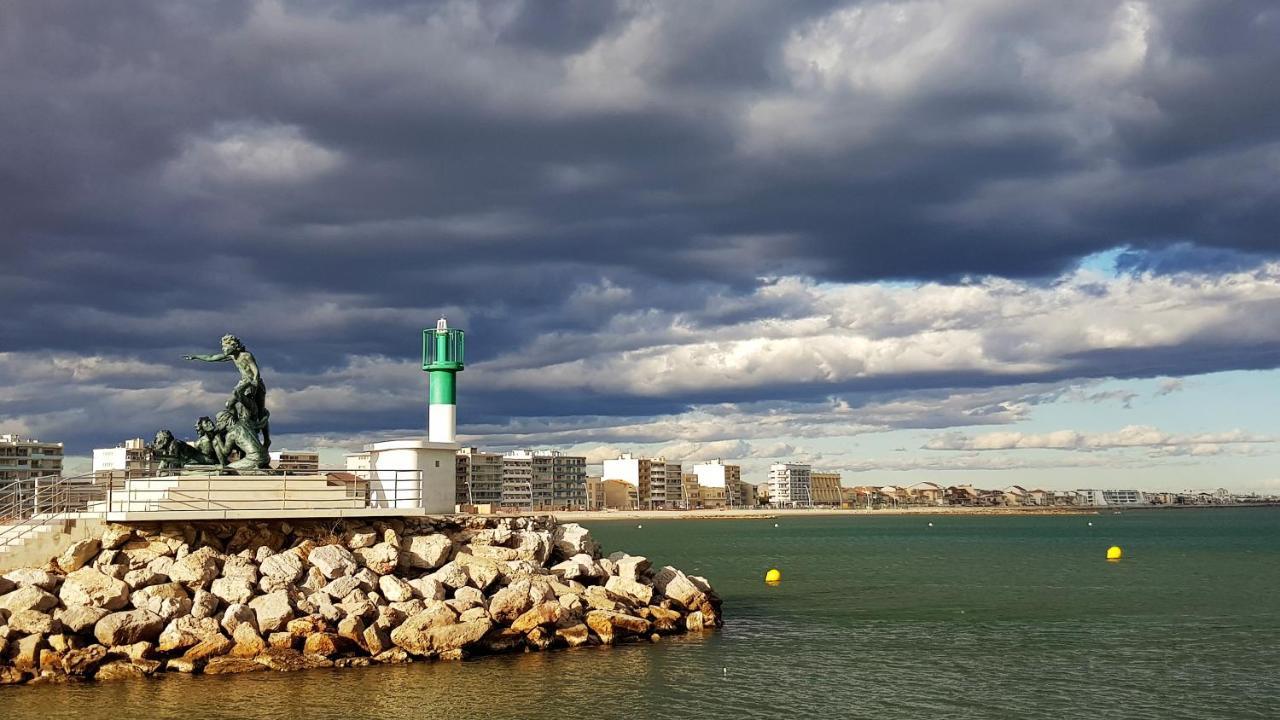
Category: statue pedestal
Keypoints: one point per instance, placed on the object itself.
(413, 474)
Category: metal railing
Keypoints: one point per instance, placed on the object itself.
(31, 503)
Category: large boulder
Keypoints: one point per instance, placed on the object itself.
(581, 566)
(609, 625)
(481, 572)
(236, 615)
(232, 590)
(510, 602)
(235, 566)
(187, 631)
(84, 661)
(435, 639)
(547, 613)
(80, 618)
(33, 622)
(229, 665)
(679, 589)
(196, 569)
(333, 561)
(114, 537)
(571, 539)
(630, 567)
(78, 554)
(636, 592)
(286, 567)
(273, 611)
(395, 590)
(28, 597)
(34, 577)
(428, 551)
(381, 558)
(126, 628)
(87, 586)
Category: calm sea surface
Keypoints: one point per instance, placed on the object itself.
(876, 617)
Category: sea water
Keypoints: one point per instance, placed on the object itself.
(875, 617)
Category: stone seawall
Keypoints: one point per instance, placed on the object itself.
(229, 597)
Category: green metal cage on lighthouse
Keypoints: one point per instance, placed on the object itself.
(442, 359)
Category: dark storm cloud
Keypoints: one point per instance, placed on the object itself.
(324, 177)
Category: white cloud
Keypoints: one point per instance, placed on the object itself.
(1133, 436)
(247, 152)
(832, 334)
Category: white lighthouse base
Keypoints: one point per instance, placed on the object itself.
(442, 421)
(413, 474)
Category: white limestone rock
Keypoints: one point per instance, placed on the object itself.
(87, 586)
(273, 611)
(78, 554)
(428, 552)
(233, 590)
(333, 561)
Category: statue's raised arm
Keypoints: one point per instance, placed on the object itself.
(216, 357)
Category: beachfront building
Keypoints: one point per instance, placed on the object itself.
(1111, 497)
(926, 493)
(23, 458)
(296, 462)
(727, 478)
(690, 492)
(825, 489)
(658, 483)
(790, 485)
(478, 477)
(543, 480)
(595, 492)
(713, 498)
(129, 459)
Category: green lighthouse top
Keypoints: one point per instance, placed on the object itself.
(442, 348)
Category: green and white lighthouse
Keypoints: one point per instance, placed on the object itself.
(442, 350)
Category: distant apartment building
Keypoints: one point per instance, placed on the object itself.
(24, 458)
(728, 478)
(659, 484)
(543, 480)
(358, 461)
(478, 478)
(690, 492)
(295, 462)
(825, 488)
(1111, 497)
(790, 485)
(595, 492)
(130, 459)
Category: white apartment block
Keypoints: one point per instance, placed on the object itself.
(728, 478)
(789, 485)
(658, 483)
(23, 458)
(295, 462)
(1111, 497)
(130, 459)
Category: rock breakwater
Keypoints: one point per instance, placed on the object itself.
(232, 597)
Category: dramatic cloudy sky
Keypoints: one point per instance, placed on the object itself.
(987, 241)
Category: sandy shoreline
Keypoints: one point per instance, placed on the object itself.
(766, 513)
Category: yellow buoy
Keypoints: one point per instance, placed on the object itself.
(773, 576)
(1114, 552)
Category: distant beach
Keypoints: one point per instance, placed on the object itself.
(766, 513)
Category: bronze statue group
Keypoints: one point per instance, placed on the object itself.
(239, 436)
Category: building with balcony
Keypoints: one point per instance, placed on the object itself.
(295, 462)
(658, 483)
(130, 459)
(790, 485)
(478, 477)
(23, 458)
(543, 480)
(728, 478)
